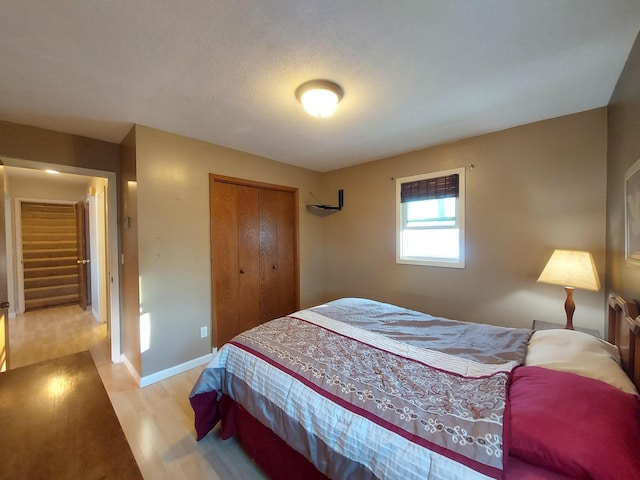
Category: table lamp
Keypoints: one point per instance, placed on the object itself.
(573, 269)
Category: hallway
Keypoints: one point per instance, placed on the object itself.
(53, 332)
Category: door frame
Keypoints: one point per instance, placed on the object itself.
(18, 244)
(5, 244)
(112, 247)
(81, 211)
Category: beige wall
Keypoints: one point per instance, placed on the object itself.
(173, 235)
(40, 145)
(47, 189)
(534, 188)
(130, 300)
(623, 152)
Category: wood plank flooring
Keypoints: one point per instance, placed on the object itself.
(54, 332)
(157, 420)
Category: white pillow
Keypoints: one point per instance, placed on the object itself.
(580, 353)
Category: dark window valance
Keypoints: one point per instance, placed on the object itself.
(430, 188)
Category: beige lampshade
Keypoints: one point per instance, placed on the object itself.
(571, 268)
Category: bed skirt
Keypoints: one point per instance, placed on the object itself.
(270, 452)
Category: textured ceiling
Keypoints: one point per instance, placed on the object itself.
(414, 73)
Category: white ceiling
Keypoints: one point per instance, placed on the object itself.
(415, 73)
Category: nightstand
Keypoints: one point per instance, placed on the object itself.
(540, 325)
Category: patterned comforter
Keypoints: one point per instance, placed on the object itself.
(360, 404)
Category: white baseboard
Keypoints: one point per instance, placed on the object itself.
(132, 370)
(163, 374)
(170, 372)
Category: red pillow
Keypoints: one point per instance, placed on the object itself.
(577, 426)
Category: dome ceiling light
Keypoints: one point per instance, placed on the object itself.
(319, 97)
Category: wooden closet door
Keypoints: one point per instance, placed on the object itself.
(235, 244)
(278, 286)
(254, 254)
(248, 258)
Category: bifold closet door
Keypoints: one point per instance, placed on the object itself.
(235, 238)
(254, 254)
(278, 293)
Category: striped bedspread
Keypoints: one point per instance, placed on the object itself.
(359, 404)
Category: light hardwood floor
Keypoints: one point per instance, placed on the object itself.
(44, 334)
(157, 420)
(158, 423)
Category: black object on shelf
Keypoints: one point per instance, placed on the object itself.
(331, 207)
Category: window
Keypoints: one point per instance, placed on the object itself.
(430, 219)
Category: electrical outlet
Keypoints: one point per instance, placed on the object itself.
(203, 332)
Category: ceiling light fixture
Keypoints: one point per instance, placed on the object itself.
(319, 97)
(52, 172)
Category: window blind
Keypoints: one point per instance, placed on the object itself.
(430, 188)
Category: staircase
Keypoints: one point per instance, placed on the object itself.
(49, 254)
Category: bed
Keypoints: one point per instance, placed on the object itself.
(362, 389)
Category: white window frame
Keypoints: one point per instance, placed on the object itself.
(460, 217)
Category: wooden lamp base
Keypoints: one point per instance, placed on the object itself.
(569, 307)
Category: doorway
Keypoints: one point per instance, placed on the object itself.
(96, 188)
(52, 246)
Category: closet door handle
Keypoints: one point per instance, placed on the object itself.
(242, 270)
(275, 267)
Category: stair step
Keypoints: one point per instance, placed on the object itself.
(48, 229)
(53, 291)
(32, 216)
(49, 222)
(50, 302)
(35, 272)
(51, 281)
(49, 262)
(46, 207)
(45, 236)
(48, 245)
(60, 252)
